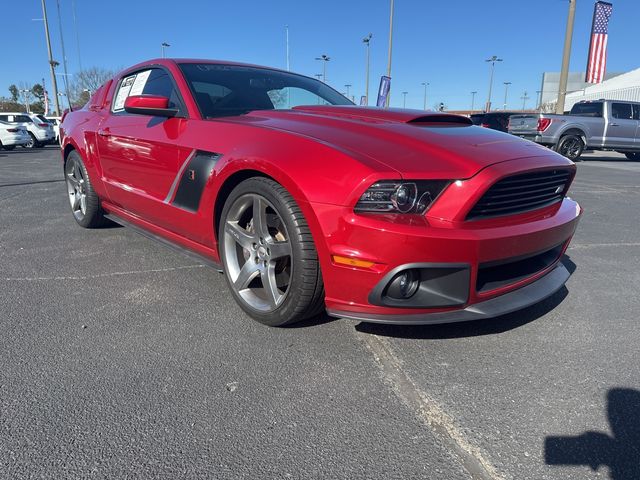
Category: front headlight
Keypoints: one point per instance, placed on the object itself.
(400, 196)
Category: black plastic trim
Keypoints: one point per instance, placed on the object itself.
(193, 180)
(518, 299)
(441, 285)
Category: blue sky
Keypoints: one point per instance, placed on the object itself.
(440, 42)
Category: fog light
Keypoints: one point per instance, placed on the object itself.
(404, 285)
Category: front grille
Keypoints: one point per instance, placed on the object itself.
(521, 193)
(494, 275)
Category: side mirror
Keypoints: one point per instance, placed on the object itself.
(149, 105)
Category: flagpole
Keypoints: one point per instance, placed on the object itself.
(566, 55)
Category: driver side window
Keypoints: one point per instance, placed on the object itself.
(153, 81)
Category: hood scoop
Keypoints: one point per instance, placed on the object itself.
(380, 115)
(442, 118)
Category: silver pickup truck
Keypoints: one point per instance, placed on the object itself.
(594, 125)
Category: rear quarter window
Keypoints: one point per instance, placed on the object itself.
(587, 109)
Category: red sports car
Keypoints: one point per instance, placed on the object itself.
(307, 202)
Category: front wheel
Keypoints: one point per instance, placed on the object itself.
(570, 146)
(633, 156)
(269, 257)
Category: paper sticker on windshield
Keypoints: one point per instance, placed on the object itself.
(123, 93)
(139, 83)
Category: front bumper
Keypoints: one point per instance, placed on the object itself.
(445, 240)
(501, 305)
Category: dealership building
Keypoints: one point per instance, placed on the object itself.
(617, 86)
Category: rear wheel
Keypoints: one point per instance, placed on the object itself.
(570, 146)
(269, 256)
(32, 143)
(85, 204)
(633, 156)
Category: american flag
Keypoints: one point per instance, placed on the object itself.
(598, 49)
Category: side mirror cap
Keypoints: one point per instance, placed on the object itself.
(154, 105)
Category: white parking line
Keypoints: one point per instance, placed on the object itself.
(427, 410)
(100, 275)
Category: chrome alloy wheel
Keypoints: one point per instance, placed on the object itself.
(257, 252)
(76, 188)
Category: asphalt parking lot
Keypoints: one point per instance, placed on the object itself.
(124, 359)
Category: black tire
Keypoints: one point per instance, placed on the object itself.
(89, 215)
(635, 156)
(570, 146)
(296, 274)
(8, 147)
(32, 143)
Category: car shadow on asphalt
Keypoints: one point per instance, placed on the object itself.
(474, 328)
(620, 452)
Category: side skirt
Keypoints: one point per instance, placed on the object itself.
(187, 247)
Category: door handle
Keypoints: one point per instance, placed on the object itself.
(104, 133)
(614, 124)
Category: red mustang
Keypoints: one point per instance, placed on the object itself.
(308, 202)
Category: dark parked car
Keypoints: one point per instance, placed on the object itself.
(495, 120)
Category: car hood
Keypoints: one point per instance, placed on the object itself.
(415, 143)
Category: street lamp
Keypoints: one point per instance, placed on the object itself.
(163, 46)
(493, 61)
(324, 59)
(473, 99)
(425, 85)
(367, 40)
(404, 99)
(506, 89)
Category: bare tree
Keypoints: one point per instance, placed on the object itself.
(87, 81)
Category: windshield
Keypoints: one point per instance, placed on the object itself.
(229, 90)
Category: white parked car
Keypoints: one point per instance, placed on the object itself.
(55, 121)
(40, 131)
(12, 135)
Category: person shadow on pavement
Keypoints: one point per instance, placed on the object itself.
(620, 451)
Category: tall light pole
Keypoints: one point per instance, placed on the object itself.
(286, 27)
(424, 103)
(367, 40)
(324, 59)
(348, 85)
(493, 61)
(404, 99)
(52, 62)
(538, 99)
(524, 99)
(389, 55)
(506, 89)
(473, 99)
(163, 46)
(566, 55)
